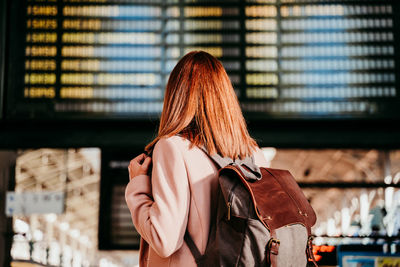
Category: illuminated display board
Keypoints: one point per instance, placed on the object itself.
(286, 59)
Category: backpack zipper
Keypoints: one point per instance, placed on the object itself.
(229, 203)
(229, 211)
(244, 182)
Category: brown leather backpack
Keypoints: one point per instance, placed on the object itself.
(262, 218)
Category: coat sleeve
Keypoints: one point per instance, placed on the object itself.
(159, 205)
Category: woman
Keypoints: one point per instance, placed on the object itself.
(200, 108)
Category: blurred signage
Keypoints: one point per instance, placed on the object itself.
(26, 203)
(388, 262)
(366, 255)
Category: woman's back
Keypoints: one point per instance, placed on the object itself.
(184, 185)
(200, 108)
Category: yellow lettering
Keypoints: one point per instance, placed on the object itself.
(89, 65)
(78, 78)
(40, 78)
(40, 92)
(46, 37)
(76, 92)
(45, 51)
(42, 24)
(40, 64)
(78, 24)
(42, 10)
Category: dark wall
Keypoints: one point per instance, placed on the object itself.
(7, 182)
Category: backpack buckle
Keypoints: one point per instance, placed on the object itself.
(273, 245)
(310, 241)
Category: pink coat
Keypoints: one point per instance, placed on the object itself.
(180, 194)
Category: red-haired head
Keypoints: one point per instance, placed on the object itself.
(201, 105)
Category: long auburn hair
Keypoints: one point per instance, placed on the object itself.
(201, 105)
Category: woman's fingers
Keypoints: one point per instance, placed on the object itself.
(139, 158)
(146, 162)
(139, 165)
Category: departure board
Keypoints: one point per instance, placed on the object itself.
(286, 59)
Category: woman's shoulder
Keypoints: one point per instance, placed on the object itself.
(259, 158)
(172, 142)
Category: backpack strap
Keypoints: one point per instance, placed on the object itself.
(217, 158)
(198, 257)
(309, 251)
(221, 162)
(272, 249)
(247, 165)
(309, 248)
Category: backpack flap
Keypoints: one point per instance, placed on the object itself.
(277, 199)
(287, 181)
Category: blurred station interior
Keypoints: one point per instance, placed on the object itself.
(81, 91)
